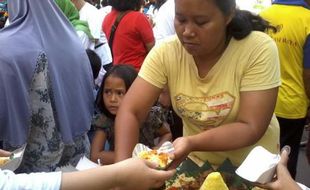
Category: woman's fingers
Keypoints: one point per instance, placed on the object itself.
(162, 176)
(151, 164)
(4, 153)
(285, 151)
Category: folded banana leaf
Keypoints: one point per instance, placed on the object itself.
(190, 176)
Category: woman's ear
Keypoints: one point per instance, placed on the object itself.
(230, 17)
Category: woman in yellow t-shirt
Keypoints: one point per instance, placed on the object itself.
(223, 79)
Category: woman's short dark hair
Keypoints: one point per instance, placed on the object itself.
(124, 71)
(95, 62)
(159, 3)
(105, 3)
(243, 22)
(125, 5)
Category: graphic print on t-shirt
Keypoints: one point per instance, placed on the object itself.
(205, 112)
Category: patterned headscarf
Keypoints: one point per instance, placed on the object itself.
(73, 16)
(36, 27)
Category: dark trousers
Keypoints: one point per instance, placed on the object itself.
(291, 131)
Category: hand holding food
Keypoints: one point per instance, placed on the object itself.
(4, 160)
(182, 149)
(4, 157)
(283, 180)
(153, 178)
(161, 156)
(11, 160)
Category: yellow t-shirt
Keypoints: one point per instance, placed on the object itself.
(246, 65)
(293, 24)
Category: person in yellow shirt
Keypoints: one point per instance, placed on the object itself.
(223, 80)
(292, 20)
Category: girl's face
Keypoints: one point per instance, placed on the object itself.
(200, 26)
(113, 93)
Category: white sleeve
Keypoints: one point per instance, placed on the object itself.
(91, 14)
(37, 181)
(164, 21)
(87, 43)
(95, 25)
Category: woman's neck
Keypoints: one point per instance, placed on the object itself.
(78, 4)
(205, 62)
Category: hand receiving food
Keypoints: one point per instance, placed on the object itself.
(152, 178)
(283, 180)
(4, 157)
(162, 156)
(162, 159)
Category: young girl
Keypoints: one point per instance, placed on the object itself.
(114, 86)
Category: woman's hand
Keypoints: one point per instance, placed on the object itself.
(4, 153)
(181, 150)
(283, 180)
(140, 174)
(133, 173)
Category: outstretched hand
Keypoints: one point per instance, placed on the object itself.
(4, 153)
(182, 149)
(140, 174)
(283, 179)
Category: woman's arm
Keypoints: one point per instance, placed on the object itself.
(253, 119)
(256, 110)
(132, 112)
(97, 149)
(132, 173)
(4, 153)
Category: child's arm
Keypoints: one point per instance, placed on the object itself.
(97, 149)
(164, 134)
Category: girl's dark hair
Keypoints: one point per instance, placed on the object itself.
(125, 5)
(243, 22)
(124, 71)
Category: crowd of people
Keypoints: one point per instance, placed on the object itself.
(94, 78)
